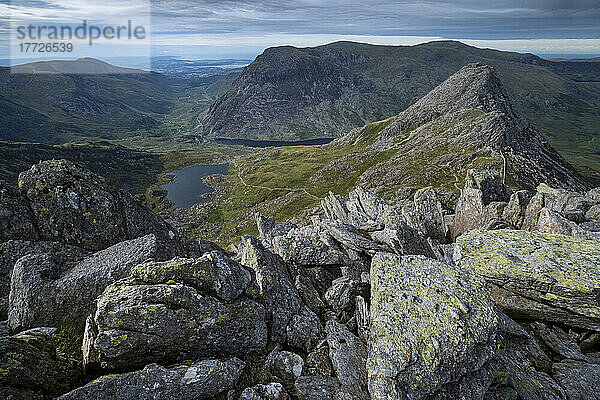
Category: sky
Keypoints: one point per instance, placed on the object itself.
(213, 29)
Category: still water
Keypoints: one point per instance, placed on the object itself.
(187, 187)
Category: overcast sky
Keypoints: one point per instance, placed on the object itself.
(209, 29)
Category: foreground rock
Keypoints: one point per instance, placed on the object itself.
(433, 326)
(16, 219)
(201, 380)
(538, 276)
(31, 367)
(173, 311)
(75, 206)
(47, 290)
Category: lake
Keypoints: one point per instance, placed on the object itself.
(273, 143)
(187, 187)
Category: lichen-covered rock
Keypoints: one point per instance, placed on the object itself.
(285, 365)
(552, 222)
(317, 387)
(13, 250)
(350, 237)
(139, 323)
(308, 246)
(427, 216)
(341, 296)
(75, 206)
(32, 367)
(201, 380)
(270, 391)
(514, 212)
(47, 291)
(213, 273)
(291, 320)
(579, 379)
(431, 325)
(348, 356)
(16, 218)
(548, 277)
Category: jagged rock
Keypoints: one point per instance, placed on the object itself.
(285, 365)
(201, 380)
(350, 237)
(539, 276)
(363, 319)
(556, 341)
(291, 320)
(348, 356)
(138, 323)
(579, 379)
(432, 324)
(4, 329)
(318, 361)
(514, 212)
(47, 291)
(341, 296)
(309, 246)
(32, 367)
(268, 229)
(13, 250)
(270, 391)
(91, 357)
(213, 273)
(16, 218)
(317, 387)
(75, 206)
(310, 296)
(593, 212)
(427, 216)
(552, 222)
(403, 240)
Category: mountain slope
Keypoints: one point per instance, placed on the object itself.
(290, 93)
(468, 122)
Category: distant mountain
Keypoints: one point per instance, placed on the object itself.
(291, 93)
(87, 99)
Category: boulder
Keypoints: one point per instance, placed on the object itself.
(32, 367)
(514, 212)
(16, 218)
(579, 379)
(539, 276)
(432, 324)
(348, 356)
(309, 246)
(291, 320)
(200, 380)
(139, 322)
(13, 250)
(317, 387)
(284, 365)
(318, 361)
(427, 216)
(270, 391)
(46, 290)
(75, 206)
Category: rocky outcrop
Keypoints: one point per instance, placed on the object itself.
(75, 206)
(432, 326)
(16, 218)
(200, 380)
(547, 277)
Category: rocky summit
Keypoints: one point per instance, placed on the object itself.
(494, 296)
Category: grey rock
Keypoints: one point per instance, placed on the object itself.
(363, 319)
(559, 343)
(270, 391)
(348, 356)
(403, 240)
(309, 246)
(213, 273)
(4, 329)
(514, 212)
(139, 323)
(350, 237)
(552, 222)
(318, 361)
(317, 387)
(11, 251)
(593, 212)
(75, 206)
(540, 276)
(45, 291)
(268, 229)
(341, 296)
(31, 365)
(291, 320)
(579, 379)
(16, 217)
(428, 215)
(284, 365)
(431, 325)
(309, 294)
(201, 380)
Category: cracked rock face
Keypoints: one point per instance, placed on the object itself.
(540, 276)
(431, 325)
(200, 380)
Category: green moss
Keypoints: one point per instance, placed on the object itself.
(68, 338)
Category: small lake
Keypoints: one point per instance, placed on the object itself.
(273, 143)
(187, 187)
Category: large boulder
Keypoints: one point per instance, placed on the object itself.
(47, 290)
(75, 206)
(200, 380)
(538, 276)
(169, 312)
(348, 356)
(433, 325)
(16, 218)
(13, 250)
(291, 321)
(32, 367)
